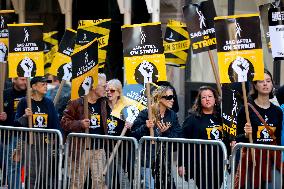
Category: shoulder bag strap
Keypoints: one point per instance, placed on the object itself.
(262, 121)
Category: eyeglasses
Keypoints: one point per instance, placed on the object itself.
(170, 97)
(111, 90)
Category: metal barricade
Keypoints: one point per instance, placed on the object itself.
(161, 160)
(30, 158)
(99, 161)
(257, 166)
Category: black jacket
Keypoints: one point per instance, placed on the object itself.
(139, 129)
(11, 99)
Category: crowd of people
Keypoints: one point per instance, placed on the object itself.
(265, 126)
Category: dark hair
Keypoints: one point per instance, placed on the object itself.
(197, 107)
(254, 93)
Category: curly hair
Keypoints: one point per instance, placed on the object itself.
(197, 107)
(156, 97)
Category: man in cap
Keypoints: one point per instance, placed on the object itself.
(44, 116)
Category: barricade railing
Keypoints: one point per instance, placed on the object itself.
(95, 161)
(181, 163)
(30, 158)
(257, 166)
(99, 161)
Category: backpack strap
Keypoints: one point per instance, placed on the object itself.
(262, 121)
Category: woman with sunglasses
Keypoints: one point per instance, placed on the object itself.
(267, 131)
(165, 124)
(115, 127)
(204, 122)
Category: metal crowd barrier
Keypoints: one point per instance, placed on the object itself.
(204, 163)
(30, 158)
(89, 164)
(257, 166)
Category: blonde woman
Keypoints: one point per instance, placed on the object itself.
(165, 124)
(115, 127)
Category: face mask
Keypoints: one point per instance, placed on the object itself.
(50, 86)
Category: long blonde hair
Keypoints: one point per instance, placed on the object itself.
(157, 96)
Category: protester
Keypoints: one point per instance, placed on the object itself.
(44, 116)
(12, 97)
(165, 124)
(268, 133)
(175, 107)
(204, 122)
(115, 127)
(73, 120)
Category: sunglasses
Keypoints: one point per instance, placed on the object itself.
(170, 97)
(111, 90)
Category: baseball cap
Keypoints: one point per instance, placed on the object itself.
(39, 79)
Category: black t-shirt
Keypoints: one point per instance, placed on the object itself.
(206, 126)
(273, 118)
(11, 100)
(40, 114)
(96, 125)
(114, 125)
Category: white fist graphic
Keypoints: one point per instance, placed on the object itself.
(3, 51)
(27, 65)
(241, 67)
(215, 132)
(132, 113)
(39, 121)
(111, 126)
(93, 121)
(265, 133)
(87, 83)
(67, 70)
(146, 69)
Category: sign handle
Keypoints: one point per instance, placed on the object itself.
(29, 104)
(115, 149)
(215, 72)
(58, 93)
(247, 117)
(2, 85)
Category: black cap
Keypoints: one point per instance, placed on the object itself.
(36, 79)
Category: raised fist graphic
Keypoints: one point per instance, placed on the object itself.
(241, 67)
(93, 121)
(111, 126)
(39, 120)
(132, 113)
(3, 51)
(265, 133)
(215, 132)
(86, 85)
(67, 71)
(27, 65)
(146, 69)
